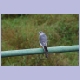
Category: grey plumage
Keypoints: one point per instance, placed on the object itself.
(43, 42)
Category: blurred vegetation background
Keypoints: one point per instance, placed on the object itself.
(21, 31)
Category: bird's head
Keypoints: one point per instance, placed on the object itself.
(40, 32)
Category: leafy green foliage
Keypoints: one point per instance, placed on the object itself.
(21, 31)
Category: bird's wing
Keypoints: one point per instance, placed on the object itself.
(43, 40)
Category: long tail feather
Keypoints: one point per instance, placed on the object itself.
(46, 51)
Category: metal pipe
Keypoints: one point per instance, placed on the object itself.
(55, 49)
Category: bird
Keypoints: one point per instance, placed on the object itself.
(43, 42)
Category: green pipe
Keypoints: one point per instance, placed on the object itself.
(55, 49)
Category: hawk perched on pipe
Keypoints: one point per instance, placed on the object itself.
(43, 42)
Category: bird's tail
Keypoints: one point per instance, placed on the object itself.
(46, 51)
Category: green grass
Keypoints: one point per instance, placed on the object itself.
(22, 32)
